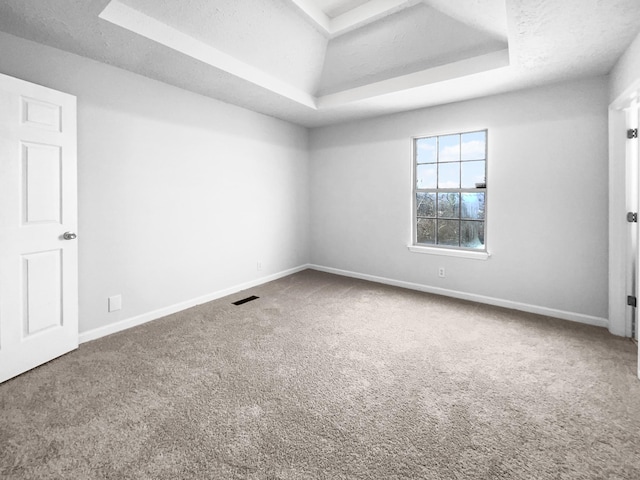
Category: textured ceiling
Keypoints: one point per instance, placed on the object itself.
(316, 62)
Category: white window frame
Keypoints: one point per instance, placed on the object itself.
(447, 250)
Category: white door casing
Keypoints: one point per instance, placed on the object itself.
(633, 156)
(631, 189)
(632, 175)
(38, 205)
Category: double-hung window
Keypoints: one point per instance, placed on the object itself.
(450, 191)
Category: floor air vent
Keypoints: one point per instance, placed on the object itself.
(245, 300)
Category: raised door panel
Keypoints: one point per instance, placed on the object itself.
(40, 114)
(41, 184)
(42, 291)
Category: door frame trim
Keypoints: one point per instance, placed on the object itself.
(619, 204)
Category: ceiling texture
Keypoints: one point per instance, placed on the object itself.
(317, 62)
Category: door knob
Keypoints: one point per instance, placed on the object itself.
(69, 235)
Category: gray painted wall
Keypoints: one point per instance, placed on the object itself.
(547, 203)
(179, 195)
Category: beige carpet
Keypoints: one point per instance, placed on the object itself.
(325, 377)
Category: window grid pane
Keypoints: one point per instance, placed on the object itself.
(426, 150)
(449, 232)
(472, 234)
(449, 175)
(426, 231)
(448, 205)
(426, 175)
(473, 174)
(473, 146)
(449, 148)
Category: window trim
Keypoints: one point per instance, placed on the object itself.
(450, 251)
(447, 250)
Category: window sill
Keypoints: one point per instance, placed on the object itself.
(449, 252)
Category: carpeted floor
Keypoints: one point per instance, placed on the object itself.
(325, 377)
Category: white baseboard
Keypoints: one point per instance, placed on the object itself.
(524, 307)
(163, 312)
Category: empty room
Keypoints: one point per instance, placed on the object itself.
(319, 239)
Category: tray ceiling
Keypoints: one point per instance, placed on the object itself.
(315, 62)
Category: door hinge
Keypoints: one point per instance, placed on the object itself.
(632, 301)
(632, 133)
(632, 217)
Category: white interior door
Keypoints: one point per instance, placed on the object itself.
(38, 205)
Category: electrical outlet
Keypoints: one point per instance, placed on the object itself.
(259, 266)
(115, 303)
(441, 272)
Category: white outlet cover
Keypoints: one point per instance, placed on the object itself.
(115, 303)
